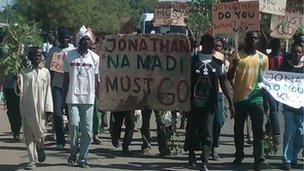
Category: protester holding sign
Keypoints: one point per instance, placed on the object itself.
(81, 68)
(56, 55)
(206, 73)
(294, 118)
(248, 98)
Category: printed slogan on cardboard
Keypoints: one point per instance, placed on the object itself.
(145, 72)
(234, 17)
(285, 87)
(286, 26)
(171, 13)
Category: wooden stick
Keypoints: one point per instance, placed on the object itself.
(287, 45)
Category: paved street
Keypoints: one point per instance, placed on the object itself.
(13, 156)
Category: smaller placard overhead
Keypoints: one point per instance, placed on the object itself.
(235, 17)
(276, 7)
(286, 26)
(171, 13)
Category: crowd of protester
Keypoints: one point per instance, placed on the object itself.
(221, 78)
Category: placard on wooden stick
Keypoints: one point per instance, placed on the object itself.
(171, 13)
(286, 26)
(275, 7)
(233, 17)
(145, 72)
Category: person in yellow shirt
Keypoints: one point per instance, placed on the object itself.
(247, 70)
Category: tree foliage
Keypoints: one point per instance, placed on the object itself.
(18, 36)
(104, 16)
(201, 16)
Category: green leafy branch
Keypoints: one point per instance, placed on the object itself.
(17, 38)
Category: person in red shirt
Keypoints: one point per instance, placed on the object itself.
(275, 59)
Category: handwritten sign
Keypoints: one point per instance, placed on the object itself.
(145, 72)
(285, 87)
(276, 7)
(171, 13)
(286, 26)
(57, 63)
(234, 17)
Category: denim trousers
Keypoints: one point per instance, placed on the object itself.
(256, 116)
(293, 136)
(97, 118)
(219, 120)
(58, 115)
(80, 117)
(145, 128)
(273, 112)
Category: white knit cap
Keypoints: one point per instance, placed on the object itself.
(84, 31)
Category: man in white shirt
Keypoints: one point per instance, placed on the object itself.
(46, 46)
(80, 86)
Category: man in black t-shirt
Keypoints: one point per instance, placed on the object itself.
(206, 71)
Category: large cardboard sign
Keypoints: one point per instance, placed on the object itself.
(145, 72)
(171, 13)
(285, 87)
(234, 17)
(276, 7)
(57, 63)
(286, 26)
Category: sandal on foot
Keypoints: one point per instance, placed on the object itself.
(72, 160)
(83, 164)
(30, 166)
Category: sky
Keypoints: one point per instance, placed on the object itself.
(3, 3)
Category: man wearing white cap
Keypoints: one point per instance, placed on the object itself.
(80, 86)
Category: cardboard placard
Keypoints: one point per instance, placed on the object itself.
(286, 26)
(57, 63)
(285, 87)
(276, 7)
(234, 17)
(145, 72)
(171, 13)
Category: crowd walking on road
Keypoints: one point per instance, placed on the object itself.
(226, 83)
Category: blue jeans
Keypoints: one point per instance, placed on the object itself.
(219, 120)
(80, 116)
(273, 112)
(58, 115)
(293, 136)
